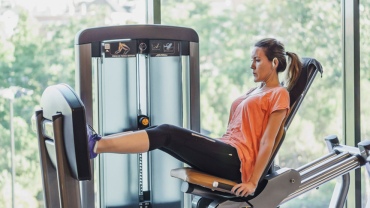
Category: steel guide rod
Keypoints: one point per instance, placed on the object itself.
(332, 172)
(324, 176)
(323, 166)
(341, 160)
(316, 162)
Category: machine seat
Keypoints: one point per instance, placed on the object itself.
(205, 180)
(202, 184)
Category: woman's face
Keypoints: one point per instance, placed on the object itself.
(261, 66)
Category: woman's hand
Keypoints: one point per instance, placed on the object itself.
(244, 189)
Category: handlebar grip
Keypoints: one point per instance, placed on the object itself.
(224, 186)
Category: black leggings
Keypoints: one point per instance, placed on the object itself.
(200, 152)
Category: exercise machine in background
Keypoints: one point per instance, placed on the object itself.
(128, 78)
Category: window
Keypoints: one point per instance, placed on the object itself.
(37, 50)
(227, 30)
(365, 86)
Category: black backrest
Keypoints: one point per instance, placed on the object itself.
(310, 67)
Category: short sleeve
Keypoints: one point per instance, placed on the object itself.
(279, 100)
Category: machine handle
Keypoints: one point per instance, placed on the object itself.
(224, 186)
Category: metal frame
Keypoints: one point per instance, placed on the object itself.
(341, 160)
(292, 183)
(84, 48)
(60, 188)
(87, 43)
(153, 11)
(351, 89)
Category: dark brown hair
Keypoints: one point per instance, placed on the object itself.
(275, 49)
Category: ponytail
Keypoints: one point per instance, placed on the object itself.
(287, 60)
(294, 70)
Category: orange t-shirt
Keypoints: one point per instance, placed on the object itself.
(249, 115)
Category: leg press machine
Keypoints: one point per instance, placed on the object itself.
(63, 116)
(280, 185)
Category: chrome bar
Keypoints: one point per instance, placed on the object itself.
(194, 87)
(349, 149)
(316, 162)
(339, 196)
(323, 166)
(331, 173)
(325, 176)
(143, 108)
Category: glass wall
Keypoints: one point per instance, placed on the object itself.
(37, 50)
(365, 90)
(228, 29)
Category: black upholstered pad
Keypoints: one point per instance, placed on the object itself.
(61, 99)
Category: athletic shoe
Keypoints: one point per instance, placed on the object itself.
(93, 138)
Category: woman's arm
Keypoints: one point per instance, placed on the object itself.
(264, 153)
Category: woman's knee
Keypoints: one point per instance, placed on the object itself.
(158, 136)
(164, 128)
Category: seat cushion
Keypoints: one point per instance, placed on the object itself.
(193, 176)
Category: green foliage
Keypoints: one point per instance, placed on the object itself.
(227, 33)
(35, 57)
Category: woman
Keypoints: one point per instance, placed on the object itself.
(244, 150)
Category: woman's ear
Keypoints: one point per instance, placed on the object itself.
(273, 62)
